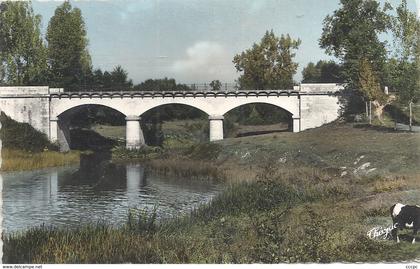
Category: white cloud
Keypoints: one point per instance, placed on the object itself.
(205, 61)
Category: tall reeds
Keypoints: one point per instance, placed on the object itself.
(18, 160)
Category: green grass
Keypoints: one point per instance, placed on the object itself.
(287, 200)
(25, 148)
(308, 216)
(19, 160)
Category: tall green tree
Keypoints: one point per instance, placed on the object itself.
(311, 73)
(268, 64)
(352, 32)
(68, 54)
(22, 50)
(405, 67)
(322, 72)
(119, 79)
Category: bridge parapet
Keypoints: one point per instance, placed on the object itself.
(320, 87)
(23, 91)
(171, 94)
(56, 90)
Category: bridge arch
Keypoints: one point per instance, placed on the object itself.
(268, 117)
(201, 108)
(59, 106)
(153, 121)
(60, 126)
(275, 104)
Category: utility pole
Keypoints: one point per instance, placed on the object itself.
(367, 110)
(411, 115)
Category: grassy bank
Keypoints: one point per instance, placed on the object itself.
(25, 148)
(344, 149)
(305, 197)
(18, 160)
(306, 216)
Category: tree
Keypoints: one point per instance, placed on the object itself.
(165, 84)
(405, 68)
(371, 89)
(269, 64)
(322, 72)
(352, 33)
(216, 85)
(97, 82)
(119, 79)
(22, 50)
(68, 54)
(311, 73)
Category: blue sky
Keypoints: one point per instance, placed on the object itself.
(193, 41)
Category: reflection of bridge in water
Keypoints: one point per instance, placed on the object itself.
(67, 197)
(48, 109)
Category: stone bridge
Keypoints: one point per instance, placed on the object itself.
(46, 109)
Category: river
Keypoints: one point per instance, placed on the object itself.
(95, 191)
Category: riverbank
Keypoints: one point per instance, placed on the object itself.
(343, 149)
(20, 160)
(305, 216)
(306, 197)
(25, 148)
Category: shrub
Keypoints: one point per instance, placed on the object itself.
(16, 135)
(388, 185)
(204, 151)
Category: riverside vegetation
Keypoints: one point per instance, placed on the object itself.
(24, 148)
(305, 197)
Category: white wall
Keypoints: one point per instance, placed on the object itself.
(317, 110)
(27, 104)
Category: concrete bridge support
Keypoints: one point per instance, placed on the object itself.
(296, 125)
(54, 129)
(60, 133)
(134, 134)
(216, 127)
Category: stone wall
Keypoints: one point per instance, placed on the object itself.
(317, 110)
(27, 104)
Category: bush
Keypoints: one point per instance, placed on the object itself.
(143, 153)
(204, 151)
(16, 135)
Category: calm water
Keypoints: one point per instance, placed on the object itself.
(94, 192)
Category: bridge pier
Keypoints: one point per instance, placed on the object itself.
(60, 133)
(133, 132)
(216, 127)
(296, 125)
(54, 129)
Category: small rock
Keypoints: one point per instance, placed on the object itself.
(370, 170)
(361, 168)
(282, 160)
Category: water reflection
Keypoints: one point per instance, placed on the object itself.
(100, 191)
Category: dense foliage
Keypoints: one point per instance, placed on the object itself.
(323, 72)
(352, 33)
(68, 56)
(268, 64)
(22, 50)
(15, 135)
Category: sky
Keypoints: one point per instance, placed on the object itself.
(194, 41)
